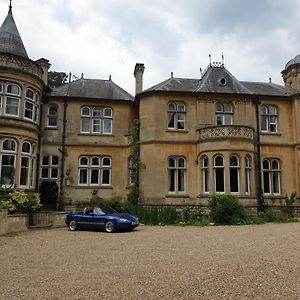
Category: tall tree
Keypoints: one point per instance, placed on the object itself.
(56, 79)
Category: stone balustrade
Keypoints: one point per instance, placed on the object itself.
(225, 132)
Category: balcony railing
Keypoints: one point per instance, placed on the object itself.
(226, 131)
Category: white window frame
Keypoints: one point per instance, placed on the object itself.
(237, 168)
(5, 152)
(89, 168)
(50, 167)
(97, 116)
(216, 167)
(271, 175)
(267, 115)
(52, 116)
(205, 174)
(177, 171)
(32, 101)
(28, 156)
(247, 162)
(178, 114)
(222, 112)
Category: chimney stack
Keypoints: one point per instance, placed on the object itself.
(138, 74)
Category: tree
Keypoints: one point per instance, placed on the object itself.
(56, 79)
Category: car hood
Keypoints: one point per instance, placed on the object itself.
(122, 215)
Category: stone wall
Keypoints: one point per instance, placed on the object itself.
(17, 223)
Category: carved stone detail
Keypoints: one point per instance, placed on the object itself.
(20, 63)
(230, 131)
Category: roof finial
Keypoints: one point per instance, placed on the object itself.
(222, 60)
(209, 58)
(10, 7)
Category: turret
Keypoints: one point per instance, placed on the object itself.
(291, 76)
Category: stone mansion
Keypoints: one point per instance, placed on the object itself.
(198, 137)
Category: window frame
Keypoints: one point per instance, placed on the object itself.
(50, 167)
(100, 120)
(223, 113)
(271, 172)
(236, 168)
(175, 172)
(52, 116)
(205, 174)
(266, 116)
(218, 167)
(178, 116)
(89, 168)
(11, 154)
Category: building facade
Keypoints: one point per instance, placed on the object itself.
(198, 137)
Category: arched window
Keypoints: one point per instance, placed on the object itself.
(52, 116)
(25, 169)
(271, 176)
(234, 174)
(94, 171)
(96, 120)
(205, 174)
(224, 113)
(247, 174)
(176, 174)
(12, 99)
(268, 118)
(30, 105)
(106, 171)
(219, 174)
(176, 115)
(8, 162)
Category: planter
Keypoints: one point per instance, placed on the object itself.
(3, 221)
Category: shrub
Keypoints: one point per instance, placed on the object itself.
(226, 209)
(155, 215)
(19, 201)
(288, 208)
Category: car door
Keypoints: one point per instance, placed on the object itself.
(95, 220)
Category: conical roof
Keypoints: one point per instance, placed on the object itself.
(10, 39)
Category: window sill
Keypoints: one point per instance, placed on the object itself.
(177, 196)
(95, 134)
(93, 187)
(177, 130)
(270, 133)
(51, 128)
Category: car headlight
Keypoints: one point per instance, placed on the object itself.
(122, 220)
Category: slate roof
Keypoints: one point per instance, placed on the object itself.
(92, 89)
(10, 39)
(211, 82)
(265, 88)
(217, 79)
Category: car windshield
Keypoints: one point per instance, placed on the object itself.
(102, 210)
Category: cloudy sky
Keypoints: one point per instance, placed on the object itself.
(101, 38)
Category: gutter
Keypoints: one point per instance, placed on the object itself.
(259, 191)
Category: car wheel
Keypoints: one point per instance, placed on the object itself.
(110, 226)
(73, 225)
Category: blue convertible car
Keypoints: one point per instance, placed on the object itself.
(101, 217)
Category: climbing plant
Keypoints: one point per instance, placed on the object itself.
(134, 194)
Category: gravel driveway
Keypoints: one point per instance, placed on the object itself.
(225, 262)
